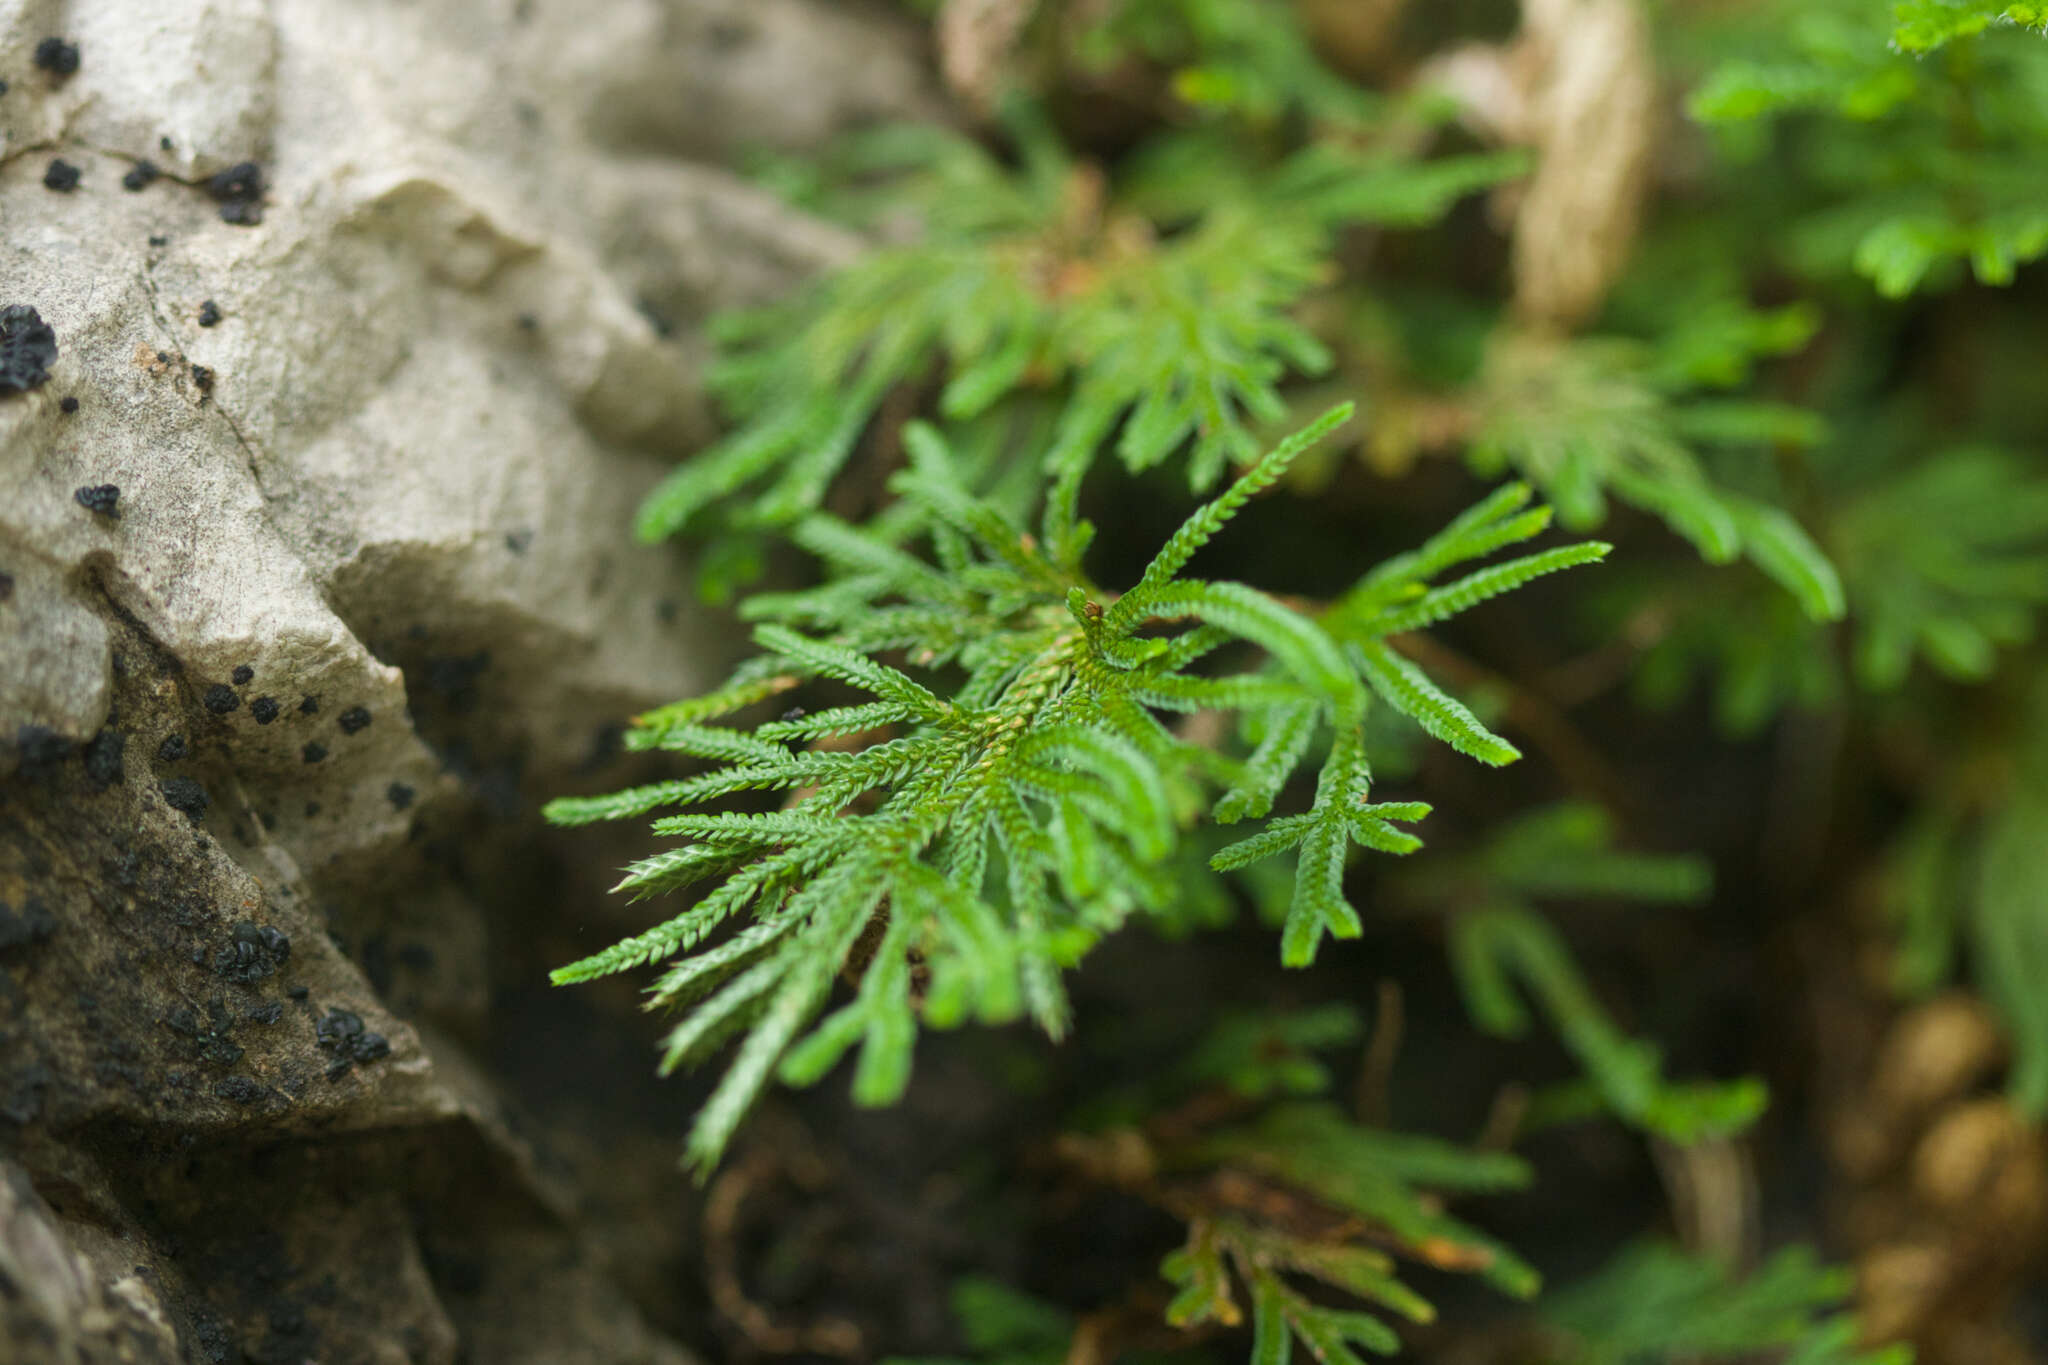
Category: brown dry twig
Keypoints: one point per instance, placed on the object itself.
(722, 1208)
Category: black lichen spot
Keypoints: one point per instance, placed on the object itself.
(32, 924)
(6, 587)
(202, 378)
(239, 192)
(28, 348)
(298, 992)
(221, 1053)
(220, 699)
(140, 176)
(264, 709)
(57, 57)
(243, 675)
(309, 705)
(252, 953)
(102, 498)
(238, 1090)
(103, 759)
(352, 720)
(341, 1035)
(41, 750)
(519, 541)
(239, 181)
(313, 753)
(155, 240)
(3, 87)
(185, 794)
(269, 1012)
(337, 1026)
(399, 795)
(62, 176)
(67, 405)
(209, 314)
(172, 750)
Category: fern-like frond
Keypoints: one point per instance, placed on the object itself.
(1939, 145)
(994, 835)
(1491, 946)
(1949, 562)
(1656, 1303)
(1584, 420)
(1178, 331)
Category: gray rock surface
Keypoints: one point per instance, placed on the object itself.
(366, 591)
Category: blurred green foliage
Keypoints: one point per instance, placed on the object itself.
(1806, 413)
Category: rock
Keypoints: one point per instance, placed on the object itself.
(321, 440)
(1935, 1053)
(1984, 1165)
(65, 1305)
(713, 78)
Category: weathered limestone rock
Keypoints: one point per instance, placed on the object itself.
(377, 317)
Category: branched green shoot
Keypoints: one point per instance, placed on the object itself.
(1948, 560)
(1179, 329)
(1654, 1304)
(1939, 176)
(956, 844)
(1586, 420)
(1497, 940)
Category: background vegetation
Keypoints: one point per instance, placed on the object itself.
(1194, 487)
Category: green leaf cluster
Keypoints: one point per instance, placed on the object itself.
(1499, 941)
(1373, 1193)
(1654, 1303)
(1925, 25)
(963, 756)
(958, 852)
(1249, 60)
(1164, 326)
(1591, 418)
(1932, 159)
(1943, 561)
